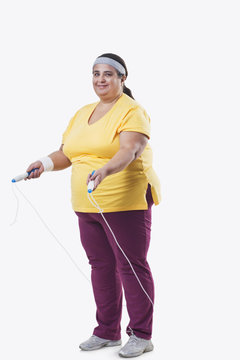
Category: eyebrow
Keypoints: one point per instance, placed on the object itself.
(107, 71)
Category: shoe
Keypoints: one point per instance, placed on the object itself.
(135, 347)
(95, 342)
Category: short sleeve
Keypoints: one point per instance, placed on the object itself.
(136, 120)
(66, 132)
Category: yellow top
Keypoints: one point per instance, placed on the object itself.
(89, 147)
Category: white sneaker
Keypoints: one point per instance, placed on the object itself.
(95, 342)
(135, 347)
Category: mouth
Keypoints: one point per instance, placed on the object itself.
(102, 86)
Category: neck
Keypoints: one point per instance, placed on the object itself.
(110, 101)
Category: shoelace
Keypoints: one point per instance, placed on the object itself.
(133, 339)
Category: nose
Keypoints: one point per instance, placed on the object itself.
(101, 78)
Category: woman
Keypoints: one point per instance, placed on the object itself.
(111, 137)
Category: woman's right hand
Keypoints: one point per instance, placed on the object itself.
(36, 173)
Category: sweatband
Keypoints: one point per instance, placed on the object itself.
(47, 163)
(108, 61)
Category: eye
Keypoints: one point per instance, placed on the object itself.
(96, 74)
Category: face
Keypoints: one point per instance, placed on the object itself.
(106, 83)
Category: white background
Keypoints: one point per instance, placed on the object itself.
(183, 61)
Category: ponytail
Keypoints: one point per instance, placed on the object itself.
(128, 92)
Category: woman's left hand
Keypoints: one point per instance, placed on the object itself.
(98, 177)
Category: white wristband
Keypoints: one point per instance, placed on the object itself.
(47, 163)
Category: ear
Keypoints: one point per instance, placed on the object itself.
(123, 78)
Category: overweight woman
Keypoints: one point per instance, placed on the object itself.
(111, 137)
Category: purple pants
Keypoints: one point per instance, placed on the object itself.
(110, 269)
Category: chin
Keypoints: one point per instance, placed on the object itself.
(102, 92)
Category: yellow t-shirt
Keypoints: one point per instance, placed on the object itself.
(89, 147)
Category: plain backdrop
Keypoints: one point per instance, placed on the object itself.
(183, 62)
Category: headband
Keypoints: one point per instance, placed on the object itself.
(109, 61)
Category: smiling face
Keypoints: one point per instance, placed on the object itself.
(106, 82)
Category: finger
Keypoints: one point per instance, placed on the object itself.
(34, 165)
(41, 170)
(30, 176)
(31, 166)
(29, 169)
(33, 174)
(93, 177)
(36, 174)
(97, 181)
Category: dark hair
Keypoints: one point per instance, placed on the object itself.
(117, 58)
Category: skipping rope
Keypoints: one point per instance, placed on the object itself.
(93, 202)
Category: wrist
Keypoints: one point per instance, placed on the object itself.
(47, 162)
(105, 170)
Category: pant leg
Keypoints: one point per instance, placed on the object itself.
(106, 282)
(132, 230)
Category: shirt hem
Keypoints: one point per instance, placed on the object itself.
(93, 210)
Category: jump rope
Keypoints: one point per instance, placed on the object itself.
(95, 204)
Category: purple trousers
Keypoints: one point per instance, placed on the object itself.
(110, 270)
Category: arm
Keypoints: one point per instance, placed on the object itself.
(60, 162)
(132, 145)
(59, 159)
